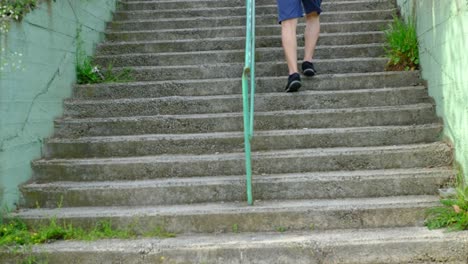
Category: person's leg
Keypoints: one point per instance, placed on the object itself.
(289, 40)
(311, 35)
(288, 12)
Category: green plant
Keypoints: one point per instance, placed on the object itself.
(160, 232)
(88, 72)
(14, 10)
(16, 232)
(402, 45)
(281, 229)
(235, 228)
(454, 212)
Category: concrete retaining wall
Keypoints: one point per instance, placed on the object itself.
(37, 71)
(442, 28)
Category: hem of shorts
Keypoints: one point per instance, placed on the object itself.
(279, 21)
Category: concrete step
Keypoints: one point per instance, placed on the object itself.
(262, 7)
(352, 213)
(237, 11)
(233, 70)
(149, 33)
(208, 143)
(234, 56)
(267, 162)
(150, 20)
(208, 87)
(323, 185)
(363, 246)
(233, 103)
(232, 43)
(225, 122)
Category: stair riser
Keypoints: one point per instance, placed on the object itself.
(231, 44)
(231, 86)
(239, 9)
(169, 124)
(221, 21)
(265, 221)
(294, 249)
(234, 190)
(268, 11)
(235, 32)
(213, 71)
(235, 144)
(299, 101)
(428, 157)
(262, 55)
(438, 250)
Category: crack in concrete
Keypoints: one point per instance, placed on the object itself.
(45, 90)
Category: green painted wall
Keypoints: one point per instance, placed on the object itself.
(442, 27)
(37, 72)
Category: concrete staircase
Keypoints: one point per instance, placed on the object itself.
(343, 170)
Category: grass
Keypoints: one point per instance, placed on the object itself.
(16, 232)
(402, 45)
(89, 73)
(453, 214)
(281, 229)
(235, 228)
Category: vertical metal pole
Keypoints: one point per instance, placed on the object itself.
(246, 105)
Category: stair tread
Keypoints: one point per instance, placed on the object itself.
(118, 31)
(235, 207)
(78, 101)
(117, 43)
(222, 115)
(234, 17)
(224, 51)
(255, 155)
(320, 76)
(363, 175)
(291, 132)
(265, 239)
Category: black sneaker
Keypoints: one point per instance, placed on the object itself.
(294, 83)
(308, 69)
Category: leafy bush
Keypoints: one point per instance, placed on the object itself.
(16, 9)
(402, 45)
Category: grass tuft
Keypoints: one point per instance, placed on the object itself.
(16, 232)
(453, 214)
(402, 45)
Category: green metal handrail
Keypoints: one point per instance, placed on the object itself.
(248, 98)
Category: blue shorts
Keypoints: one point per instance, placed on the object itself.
(288, 9)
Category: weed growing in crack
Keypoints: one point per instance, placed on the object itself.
(453, 215)
(88, 72)
(402, 45)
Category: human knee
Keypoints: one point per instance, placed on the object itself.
(289, 22)
(312, 16)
